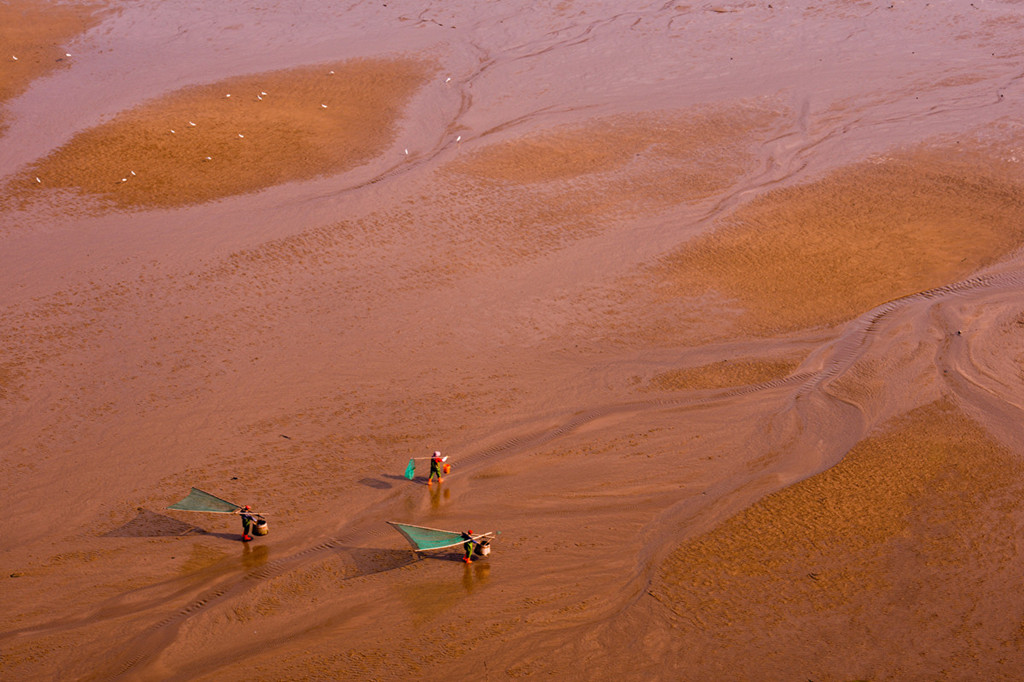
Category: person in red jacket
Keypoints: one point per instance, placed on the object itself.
(469, 545)
(248, 521)
(435, 467)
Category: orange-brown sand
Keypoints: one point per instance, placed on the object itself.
(236, 136)
(866, 234)
(886, 546)
(34, 35)
(716, 310)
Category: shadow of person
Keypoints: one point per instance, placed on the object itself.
(369, 560)
(375, 483)
(149, 524)
(418, 478)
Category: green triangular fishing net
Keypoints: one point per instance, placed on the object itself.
(410, 471)
(200, 501)
(423, 539)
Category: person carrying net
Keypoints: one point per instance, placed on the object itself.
(469, 545)
(248, 521)
(436, 464)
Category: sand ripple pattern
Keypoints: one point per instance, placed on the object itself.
(852, 345)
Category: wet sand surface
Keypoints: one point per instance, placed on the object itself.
(716, 309)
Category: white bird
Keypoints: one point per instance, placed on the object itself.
(132, 172)
(448, 79)
(38, 180)
(323, 106)
(331, 73)
(172, 131)
(263, 93)
(191, 123)
(407, 152)
(259, 98)
(14, 58)
(67, 54)
(209, 158)
(241, 135)
(459, 138)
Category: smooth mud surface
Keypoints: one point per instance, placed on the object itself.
(716, 308)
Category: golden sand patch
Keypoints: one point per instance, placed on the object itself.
(822, 253)
(723, 374)
(493, 209)
(11, 374)
(236, 136)
(912, 527)
(534, 194)
(32, 34)
(697, 151)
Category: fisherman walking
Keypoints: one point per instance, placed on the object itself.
(248, 521)
(200, 501)
(436, 463)
(469, 545)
